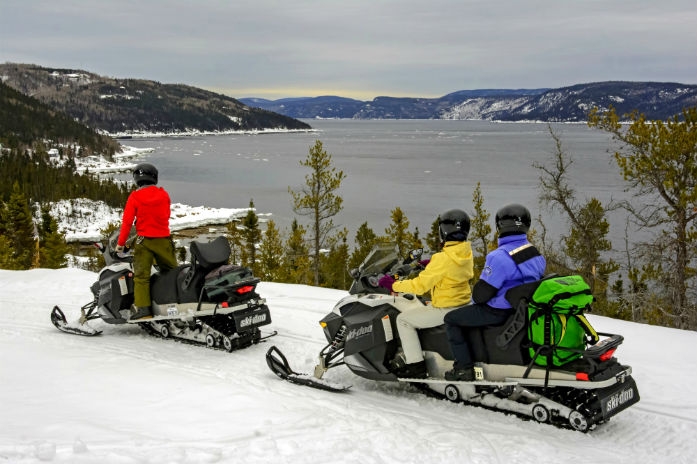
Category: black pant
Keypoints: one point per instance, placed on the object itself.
(476, 315)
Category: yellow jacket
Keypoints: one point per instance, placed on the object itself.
(446, 276)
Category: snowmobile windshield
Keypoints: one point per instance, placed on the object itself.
(380, 260)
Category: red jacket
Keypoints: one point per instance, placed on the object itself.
(150, 207)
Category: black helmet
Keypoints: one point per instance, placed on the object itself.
(512, 219)
(145, 174)
(454, 225)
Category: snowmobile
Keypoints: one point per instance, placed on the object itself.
(205, 301)
(362, 334)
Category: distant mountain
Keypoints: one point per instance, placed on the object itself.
(310, 107)
(568, 104)
(118, 106)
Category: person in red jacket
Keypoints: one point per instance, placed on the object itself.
(149, 207)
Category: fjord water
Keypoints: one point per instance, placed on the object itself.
(422, 166)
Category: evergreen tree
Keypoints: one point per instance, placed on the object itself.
(251, 236)
(398, 232)
(433, 241)
(318, 199)
(18, 229)
(365, 241)
(271, 254)
(587, 239)
(234, 238)
(6, 261)
(480, 230)
(296, 259)
(53, 249)
(659, 160)
(335, 262)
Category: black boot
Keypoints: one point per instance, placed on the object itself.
(412, 371)
(460, 374)
(142, 312)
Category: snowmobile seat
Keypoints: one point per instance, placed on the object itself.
(210, 255)
(190, 292)
(207, 256)
(435, 339)
(165, 286)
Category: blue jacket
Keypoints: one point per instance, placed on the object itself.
(502, 273)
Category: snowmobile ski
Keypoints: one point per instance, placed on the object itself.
(61, 323)
(278, 363)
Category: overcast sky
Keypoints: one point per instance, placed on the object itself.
(357, 48)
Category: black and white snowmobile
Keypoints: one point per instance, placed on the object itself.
(362, 334)
(206, 301)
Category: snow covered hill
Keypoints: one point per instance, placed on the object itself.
(126, 397)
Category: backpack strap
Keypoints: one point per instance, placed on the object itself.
(593, 336)
(523, 253)
(565, 295)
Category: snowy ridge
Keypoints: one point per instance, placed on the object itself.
(82, 220)
(126, 397)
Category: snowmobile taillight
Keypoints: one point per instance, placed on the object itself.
(224, 304)
(607, 355)
(583, 376)
(244, 289)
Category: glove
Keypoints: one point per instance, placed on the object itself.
(119, 249)
(424, 262)
(386, 282)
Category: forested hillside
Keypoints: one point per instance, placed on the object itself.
(119, 106)
(24, 121)
(32, 179)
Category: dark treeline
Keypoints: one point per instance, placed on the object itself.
(41, 181)
(25, 121)
(32, 179)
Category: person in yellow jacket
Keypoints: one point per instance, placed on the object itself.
(447, 277)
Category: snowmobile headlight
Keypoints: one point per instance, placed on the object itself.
(323, 324)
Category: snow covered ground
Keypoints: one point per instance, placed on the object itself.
(126, 397)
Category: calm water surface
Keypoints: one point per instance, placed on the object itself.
(422, 166)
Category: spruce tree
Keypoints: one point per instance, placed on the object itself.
(252, 236)
(365, 241)
(234, 238)
(18, 229)
(480, 230)
(335, 263)
(398, 232)
(271, 254)
(318, 200)
(296, 258)
(53, 249)
(433, 241)
(587, 239)
(659, 160)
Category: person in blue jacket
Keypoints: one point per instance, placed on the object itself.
(516, 261)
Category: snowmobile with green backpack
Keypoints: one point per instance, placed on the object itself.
(565, 377)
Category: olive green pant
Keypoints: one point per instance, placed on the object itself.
(149, 251)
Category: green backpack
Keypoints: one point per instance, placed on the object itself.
(557, 328)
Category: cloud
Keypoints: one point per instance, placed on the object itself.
(359, 47)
